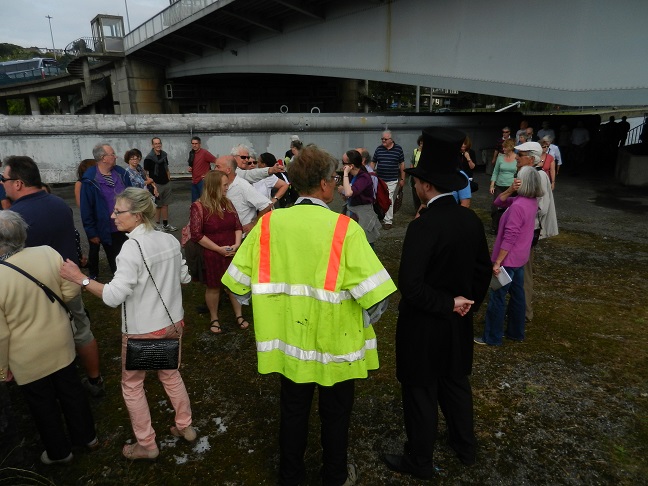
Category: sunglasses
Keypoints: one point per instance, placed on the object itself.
(244, 157)
(252, 162)
(385, 139)
(5, 179)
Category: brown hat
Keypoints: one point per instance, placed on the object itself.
(438, 162)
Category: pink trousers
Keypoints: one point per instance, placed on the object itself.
(135, 396)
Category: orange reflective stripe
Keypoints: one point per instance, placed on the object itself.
(264, 243)
(336, 252)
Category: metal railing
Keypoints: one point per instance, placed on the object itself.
(635, 133)
(170, 16)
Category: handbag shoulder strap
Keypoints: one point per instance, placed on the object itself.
(156, 288)
(51, 295)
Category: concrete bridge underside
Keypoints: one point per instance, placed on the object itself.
(572, 53)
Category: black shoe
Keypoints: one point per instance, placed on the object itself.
(400, 464)
(95, 389)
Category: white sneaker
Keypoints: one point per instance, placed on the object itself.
(168, 228)
(159, 227)
(352, 475)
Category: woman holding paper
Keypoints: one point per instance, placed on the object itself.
(511, 251)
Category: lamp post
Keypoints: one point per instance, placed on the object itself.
(127, 17)
(49, 19)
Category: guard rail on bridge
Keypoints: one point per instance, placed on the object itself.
(170, 16)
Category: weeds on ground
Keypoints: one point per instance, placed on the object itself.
(567, 406)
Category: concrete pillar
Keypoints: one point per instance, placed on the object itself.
(64, 105)
(143, 87)
(418, 99)
(349, 92)
(33, 105)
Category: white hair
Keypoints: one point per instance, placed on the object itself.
(240, 147)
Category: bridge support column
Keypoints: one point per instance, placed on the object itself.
(33, 105)
(349, 102)
(138, 88)
(64, 105)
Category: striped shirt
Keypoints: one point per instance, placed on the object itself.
(388, 162)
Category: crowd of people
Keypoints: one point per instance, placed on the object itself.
(314, 297)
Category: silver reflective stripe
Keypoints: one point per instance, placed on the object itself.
(301, 291)
(369, 284)
(239, 276)
(324, 358)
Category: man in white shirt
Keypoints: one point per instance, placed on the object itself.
(241, 154)
(248, 202)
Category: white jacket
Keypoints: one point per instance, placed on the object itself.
(132, 283)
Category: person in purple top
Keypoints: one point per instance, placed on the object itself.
(511, 251)
(357, 189)
(100, 186)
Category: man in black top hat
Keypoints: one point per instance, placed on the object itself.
(444, 275)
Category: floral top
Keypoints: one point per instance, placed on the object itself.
(137, 176)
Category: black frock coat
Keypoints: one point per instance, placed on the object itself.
(445, 255)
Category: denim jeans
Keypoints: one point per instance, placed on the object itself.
(497, 310)
(196, 190)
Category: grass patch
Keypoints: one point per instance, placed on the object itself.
(567, 406)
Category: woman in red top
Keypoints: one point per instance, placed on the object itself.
(216, 227)
(547, 163)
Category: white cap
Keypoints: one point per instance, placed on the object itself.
(294, 138)
(530, 147)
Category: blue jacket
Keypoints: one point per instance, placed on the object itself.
(94, 212)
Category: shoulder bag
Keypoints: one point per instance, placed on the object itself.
(51, 295)
(151, 354)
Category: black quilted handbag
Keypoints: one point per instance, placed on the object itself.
(151, 354)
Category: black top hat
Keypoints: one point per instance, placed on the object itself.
(438, 161)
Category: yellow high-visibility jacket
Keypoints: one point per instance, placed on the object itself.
(311, 273)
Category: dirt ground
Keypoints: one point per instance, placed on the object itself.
(567, 406)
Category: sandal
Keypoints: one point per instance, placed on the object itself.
(243, 324)
(135, 452)
(212, 326)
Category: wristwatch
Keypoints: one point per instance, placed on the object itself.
(85, 282)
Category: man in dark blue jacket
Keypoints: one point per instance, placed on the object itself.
(51, 223)
(100, 186)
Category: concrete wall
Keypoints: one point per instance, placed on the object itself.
(632, 169)
(59, 143)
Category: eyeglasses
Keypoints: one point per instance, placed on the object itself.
(117, 212)
(244, 157)
(252, 162)
(385, 139)
(135, 158)
(506, 131)
(5, 179)
(109, 155)
(337, 179)
(544, 145)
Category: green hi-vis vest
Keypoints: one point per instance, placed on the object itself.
(311, 272)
